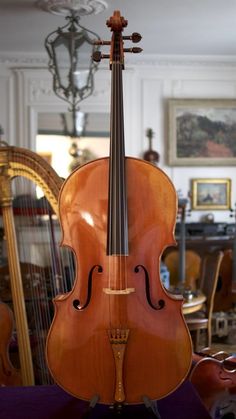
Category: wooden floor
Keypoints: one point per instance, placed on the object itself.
(231, 349)
(220, 344)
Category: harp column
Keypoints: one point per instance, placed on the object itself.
(25, 354)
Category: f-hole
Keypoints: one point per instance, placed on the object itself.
(76, 303)
(161, 303)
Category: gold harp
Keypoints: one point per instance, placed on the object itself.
(19, 163)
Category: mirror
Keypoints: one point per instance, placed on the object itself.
(56, 143)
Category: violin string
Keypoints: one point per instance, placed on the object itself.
(125, 232)
(110, 257)
(117, 187)
(121, 185)
(117, 265)
(115, 162)
(120, 162)
(125, 189)
(118, 139)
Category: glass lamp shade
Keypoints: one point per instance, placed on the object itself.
(75, 123)
(70, 50)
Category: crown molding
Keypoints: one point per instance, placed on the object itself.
(27, 59)
(22, 59)
(182, 60)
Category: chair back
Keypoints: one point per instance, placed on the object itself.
(192, 267)
(210, 268)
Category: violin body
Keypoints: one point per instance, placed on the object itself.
(88, 350)
(118, 335)
(9, 376)
(215, 381)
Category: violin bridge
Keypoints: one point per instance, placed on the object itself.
(118, 340)
(118, 292)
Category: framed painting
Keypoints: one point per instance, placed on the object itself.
(202, 132)
(211, 194)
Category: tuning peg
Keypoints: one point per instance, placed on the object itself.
(98, 56)
(135, 37)
(134, 50)
(101, 42)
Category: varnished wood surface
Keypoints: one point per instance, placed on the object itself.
(192, 267)
(194, 304)
(214, 377)
(159, 352)
(9, 376)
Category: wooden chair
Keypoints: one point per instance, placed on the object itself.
(201, 320)
(192, 267)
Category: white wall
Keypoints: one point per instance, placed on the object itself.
(149, 82)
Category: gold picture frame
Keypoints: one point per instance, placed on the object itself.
(211, 194)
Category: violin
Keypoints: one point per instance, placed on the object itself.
(118, 334)
(214, 377)
(9, 376)
(151, 155)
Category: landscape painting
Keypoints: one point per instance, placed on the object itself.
(202, 132)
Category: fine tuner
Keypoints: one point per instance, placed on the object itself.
(135, 38)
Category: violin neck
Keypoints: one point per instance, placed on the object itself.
(117, 241)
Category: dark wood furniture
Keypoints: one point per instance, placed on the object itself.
(207, 237)
(208, 281)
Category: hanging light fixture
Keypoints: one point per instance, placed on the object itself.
(70, 49)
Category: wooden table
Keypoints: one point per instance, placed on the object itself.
(194, 304)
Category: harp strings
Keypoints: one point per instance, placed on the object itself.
(31, 240)
(46, 268)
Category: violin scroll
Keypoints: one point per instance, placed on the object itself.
(117, 23)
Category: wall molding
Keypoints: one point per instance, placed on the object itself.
(25, 59)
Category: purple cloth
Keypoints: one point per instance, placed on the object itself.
(51, 402)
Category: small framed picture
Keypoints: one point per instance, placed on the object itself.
(211, 194)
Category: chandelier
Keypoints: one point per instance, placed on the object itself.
(70, 49)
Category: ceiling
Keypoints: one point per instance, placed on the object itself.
(169, 27)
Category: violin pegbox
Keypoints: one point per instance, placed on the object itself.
(117, 23)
